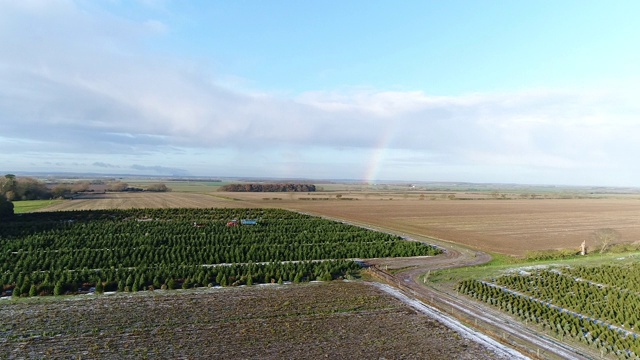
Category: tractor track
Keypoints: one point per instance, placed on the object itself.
(491, 322)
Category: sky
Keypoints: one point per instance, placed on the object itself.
(501, 91)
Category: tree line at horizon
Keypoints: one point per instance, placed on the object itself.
(278, 187)
(13, 188)
(115, 249)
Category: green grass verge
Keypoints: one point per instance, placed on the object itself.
(502, 263)
(26, 206)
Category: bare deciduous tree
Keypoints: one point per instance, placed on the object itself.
(605, 237)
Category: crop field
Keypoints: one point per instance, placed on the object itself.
(138, 200)
(510, 227)
(334, 320)
(139, 249)
(598, 306)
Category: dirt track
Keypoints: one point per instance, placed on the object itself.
(490, 321)
(462, 223)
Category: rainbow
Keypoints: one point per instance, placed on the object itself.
(378, 157)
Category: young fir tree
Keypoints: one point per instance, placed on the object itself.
(186, 284)
(99, 287)
(57, 290)
(171, 284)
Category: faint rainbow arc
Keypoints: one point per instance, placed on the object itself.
(378, 157)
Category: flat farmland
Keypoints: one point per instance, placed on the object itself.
(318, 320)
(130, 200)
(511, 227)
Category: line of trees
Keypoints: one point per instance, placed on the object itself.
(82, 248)
(268, 188)
(25, 188)
(6, 208)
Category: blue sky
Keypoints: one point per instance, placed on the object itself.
(541, 92)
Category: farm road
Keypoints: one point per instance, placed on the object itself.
(489, 321)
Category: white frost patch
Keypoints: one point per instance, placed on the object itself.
(528, 269)
(473, 335)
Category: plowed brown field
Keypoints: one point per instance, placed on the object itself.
(510, 227)
(146, 200)
(335, 320)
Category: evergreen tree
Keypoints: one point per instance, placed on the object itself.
(6, 207)
(57, 290)
(99, 287)
(186, 284)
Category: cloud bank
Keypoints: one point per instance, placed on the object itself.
(83, 83)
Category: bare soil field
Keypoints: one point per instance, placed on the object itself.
(511, 227)
(128, 200)
(345, 320)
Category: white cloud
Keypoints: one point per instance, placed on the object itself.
(79, 83)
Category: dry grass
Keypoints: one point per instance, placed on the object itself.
(147, 200)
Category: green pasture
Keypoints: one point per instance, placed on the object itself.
(26, 206)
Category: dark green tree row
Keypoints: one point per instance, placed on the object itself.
(268, 188)
(6, 208)
(58, 282)
(124, 241)
(620, 276)
(601, 301)
(597, 334)
(51, 243)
